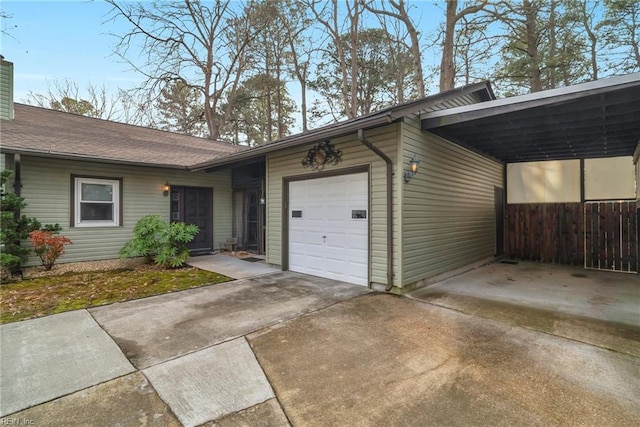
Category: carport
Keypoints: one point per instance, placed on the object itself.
(584, 129)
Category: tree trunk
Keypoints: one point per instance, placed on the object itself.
(447, 68)
(635, 43)
(303, 104)
(416, 55)
(593, 40)
(354, 60)
(535, 81)
(552, 63)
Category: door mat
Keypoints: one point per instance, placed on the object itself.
(508, 261)
(252, 259)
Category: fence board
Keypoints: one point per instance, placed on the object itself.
(613, 241)
(545, 232)
(600, 235)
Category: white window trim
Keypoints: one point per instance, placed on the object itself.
(115, 184)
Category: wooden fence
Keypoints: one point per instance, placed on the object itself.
(601, 235)
(611, 236)
(546, 232)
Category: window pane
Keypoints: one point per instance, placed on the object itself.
(96, 211)
(97, 192)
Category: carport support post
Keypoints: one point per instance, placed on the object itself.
(389, 163)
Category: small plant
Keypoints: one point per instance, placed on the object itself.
(145, 242)
(160, 241)
(15, 227)
(48, 246)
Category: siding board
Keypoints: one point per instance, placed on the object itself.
(46, 187)
(448, 217)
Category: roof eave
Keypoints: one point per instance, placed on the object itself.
(301, 139)
(500, 106)
(68, 156)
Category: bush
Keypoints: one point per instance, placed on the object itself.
(48, 246)
(160, 241)
(14, 228)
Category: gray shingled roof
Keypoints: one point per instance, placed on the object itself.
(41, 131)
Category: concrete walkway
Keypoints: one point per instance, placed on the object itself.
(288, 349)
(231, 266)
(45, 358)
(188, 346)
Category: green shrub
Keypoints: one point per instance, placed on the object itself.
(160, 241)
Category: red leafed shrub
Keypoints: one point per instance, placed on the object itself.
(48, 246)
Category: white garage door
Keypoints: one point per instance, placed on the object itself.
(329, 227)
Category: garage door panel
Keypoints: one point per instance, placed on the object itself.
(357, 243)
(325, 240)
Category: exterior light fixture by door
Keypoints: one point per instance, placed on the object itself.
(413, 169)
(165, 189)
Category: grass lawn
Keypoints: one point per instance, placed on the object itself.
(42, 296)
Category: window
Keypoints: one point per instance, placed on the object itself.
(96, 202)
(359, 214)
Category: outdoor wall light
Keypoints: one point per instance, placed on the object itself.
(165, 189)
(413, 169)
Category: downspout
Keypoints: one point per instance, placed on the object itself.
(389, 163)
(17, 176)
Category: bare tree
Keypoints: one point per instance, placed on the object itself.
(5, 29)
(327, 14)
(588, 13)
(475, 46)
(399, 12)
(621, 29)
(66, 95)
(300, 52)
(453, 16)
(202, 45)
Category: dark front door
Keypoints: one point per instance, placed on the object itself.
(252, 223)
(194, 205)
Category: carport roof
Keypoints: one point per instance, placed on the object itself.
(589, 120)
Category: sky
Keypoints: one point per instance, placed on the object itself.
(62, 39)
(58, 40)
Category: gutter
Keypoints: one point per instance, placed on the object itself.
(327, 132)
(67, 156)
(389, 163)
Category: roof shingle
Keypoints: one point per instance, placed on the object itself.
(50, 132)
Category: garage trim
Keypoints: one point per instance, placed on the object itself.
(324, 174)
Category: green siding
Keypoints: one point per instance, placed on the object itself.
(6, 161)
(6, 90)
(448, 217)
(46, 188)
(288, 163)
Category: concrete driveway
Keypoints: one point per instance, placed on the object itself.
(596, 307)
(288, 349)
